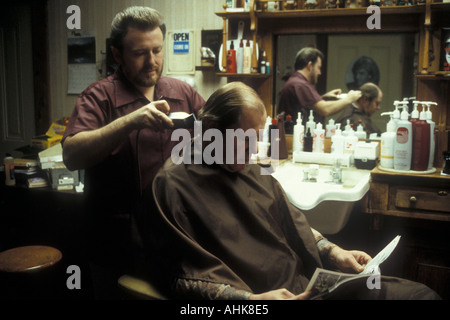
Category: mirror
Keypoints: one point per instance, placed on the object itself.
(389, 58)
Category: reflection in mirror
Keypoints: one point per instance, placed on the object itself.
(388, 60)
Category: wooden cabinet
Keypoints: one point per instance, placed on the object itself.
(427, 19)
(417, 207)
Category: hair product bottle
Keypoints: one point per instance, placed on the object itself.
(247, 64)
(387, 143)
(231, 59)
(421, 143)
(240, 57)
(403, 143)
(308, 141)
(319, 139)
(432, 137)
(299, 132)
(337, 141)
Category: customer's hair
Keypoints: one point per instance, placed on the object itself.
(224, 107)
(142, 18)
(369, 91)
(305, 55)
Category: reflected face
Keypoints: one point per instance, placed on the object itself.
(362, 76)
(142, 56)
(374, 105)
(316, 71)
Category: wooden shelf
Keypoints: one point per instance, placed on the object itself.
(243, 75)
(438, 75)
(419, 8)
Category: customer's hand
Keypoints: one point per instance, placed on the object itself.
(352, 261)
(280, 294)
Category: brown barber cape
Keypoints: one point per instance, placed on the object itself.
(237, 229)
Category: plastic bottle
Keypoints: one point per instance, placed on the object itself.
(403, 143)
(360, 133)
(266, 137)
(415, 112)
(231, 59)
(350, 142)
(247, 62)
(421, 143)
(240, 57)
(263, 63)
(330, 129)
(10, 179)
(319, 139)
(387, 143)
(308, 141)
(311, 125)
(337, 141)
(429, 117)
(348, 128)
(267, 67)
(273, 148)
(396, 113)
(299, 132)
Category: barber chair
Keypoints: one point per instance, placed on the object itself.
(29, 272)
(137, 288)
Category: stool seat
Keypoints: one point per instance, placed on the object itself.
(28, 259)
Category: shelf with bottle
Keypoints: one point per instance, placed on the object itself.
(321, 9)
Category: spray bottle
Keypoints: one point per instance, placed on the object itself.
(403, 141)
(429, 117)
(421, 143)
(299, 132)
(387, 143)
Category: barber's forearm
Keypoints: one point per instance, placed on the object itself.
(87, 148)
(197, 289)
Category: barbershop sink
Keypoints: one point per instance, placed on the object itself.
(327, 204)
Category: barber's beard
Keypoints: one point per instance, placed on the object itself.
(314, 78)
(142, 79)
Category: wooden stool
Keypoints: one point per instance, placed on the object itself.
(27, 271)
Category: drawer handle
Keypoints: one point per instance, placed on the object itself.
(413, 199)
(442, 193)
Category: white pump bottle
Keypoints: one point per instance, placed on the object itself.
(387, 143)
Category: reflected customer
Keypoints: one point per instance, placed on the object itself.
(363, 109)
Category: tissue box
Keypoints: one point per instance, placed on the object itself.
(366, 155)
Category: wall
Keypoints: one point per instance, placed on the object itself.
(97, 15)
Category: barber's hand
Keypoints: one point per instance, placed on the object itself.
(354, 95)
(280, 294)
(332, 95)
(152, 115)
(349, 261)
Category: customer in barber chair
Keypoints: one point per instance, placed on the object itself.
(226, 230)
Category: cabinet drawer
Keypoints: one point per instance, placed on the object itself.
(423, 199)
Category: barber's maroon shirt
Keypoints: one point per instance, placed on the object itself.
(299, 95)
(116, 179)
